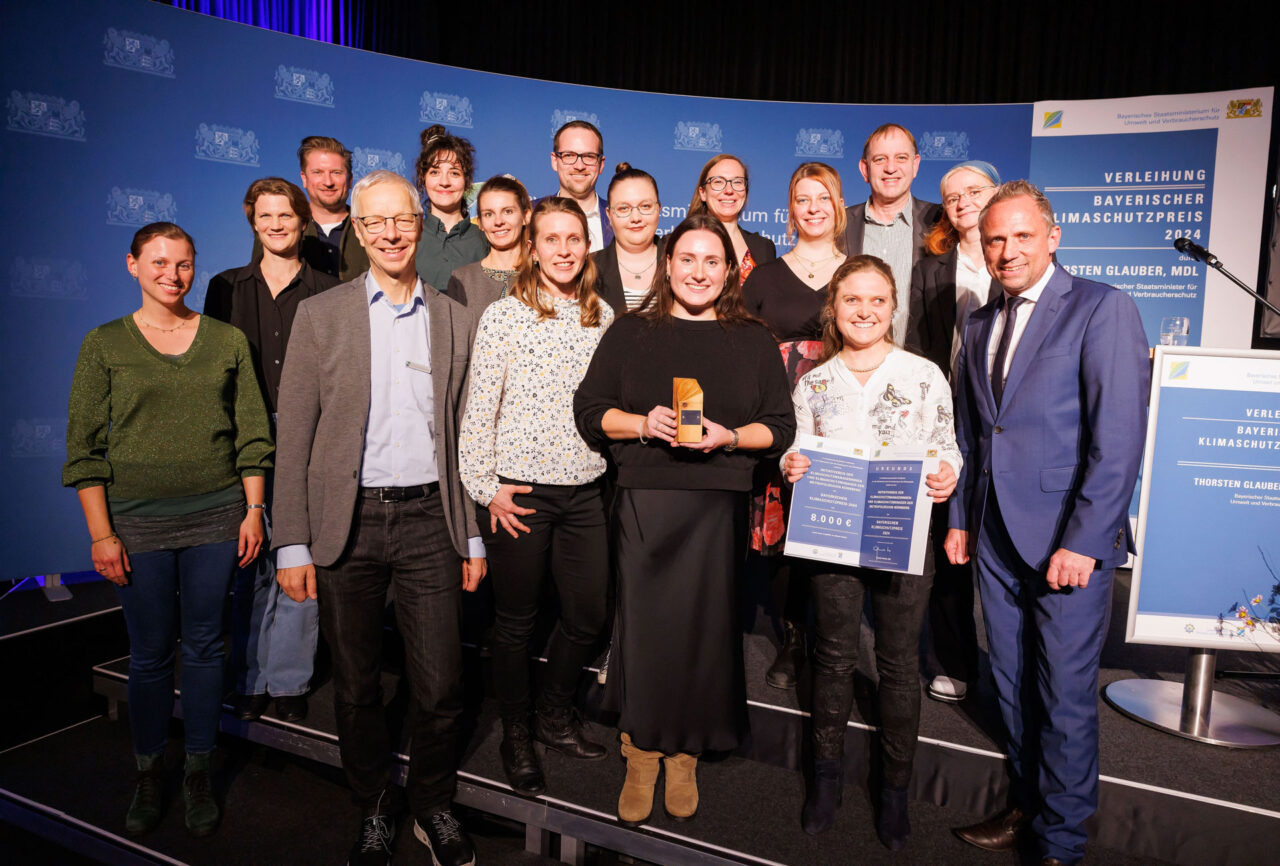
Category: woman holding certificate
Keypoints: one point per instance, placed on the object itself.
(522, 458)
(866, 389)
(676, 674)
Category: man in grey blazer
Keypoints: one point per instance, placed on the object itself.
(891, 225)
(368, 497)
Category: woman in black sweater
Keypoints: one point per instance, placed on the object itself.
(676, 674)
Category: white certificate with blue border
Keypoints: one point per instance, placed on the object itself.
(861, 504)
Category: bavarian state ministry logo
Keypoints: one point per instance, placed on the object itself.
(696, 135)
(137, 207)
(38, 437)
(820, 142)
(137, 52)
(48, 278)
(46, 115)
(226, 144)
(447, 108)
(367, 159)
(1238, 108)
(561, 116)
(304, 85)
(944, 145)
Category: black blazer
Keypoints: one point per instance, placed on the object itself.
(931, 327)
(608, 281)
(923, 215)
(761, 248)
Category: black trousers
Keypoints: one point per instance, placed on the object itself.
(568, 539)
(897, 603)
(952, 629)
(405, 545)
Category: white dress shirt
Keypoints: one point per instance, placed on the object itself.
(1031, 296)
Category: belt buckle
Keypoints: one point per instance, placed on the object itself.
(382, 494)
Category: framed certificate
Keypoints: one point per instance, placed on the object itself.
(861, 504)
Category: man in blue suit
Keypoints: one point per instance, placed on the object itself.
(1051, 401)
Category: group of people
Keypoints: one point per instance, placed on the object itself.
(450, 399)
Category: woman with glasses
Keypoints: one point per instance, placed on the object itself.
(722, 192)
(449, 239)
(167, 446)
(625, 268)
(946, 287)
(788, 294)
(520, 456)
(503, 208)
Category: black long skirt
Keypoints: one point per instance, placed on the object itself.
(675, 673)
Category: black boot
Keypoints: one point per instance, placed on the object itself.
(782, 673)
(560, 728)
(148, 796)
(824, 797)
(892, 825)
(520, 761)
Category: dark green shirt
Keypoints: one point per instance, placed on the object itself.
(152, 427)
(440, 253)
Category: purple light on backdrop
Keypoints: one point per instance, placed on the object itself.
(325, 20)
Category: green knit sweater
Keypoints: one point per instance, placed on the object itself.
(152, 427)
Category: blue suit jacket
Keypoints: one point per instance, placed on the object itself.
(1063, 451)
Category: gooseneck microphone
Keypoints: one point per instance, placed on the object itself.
(1188, 247)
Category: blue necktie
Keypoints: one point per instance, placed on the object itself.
(1002, 351)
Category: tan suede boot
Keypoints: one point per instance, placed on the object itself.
(681, 795)
(636, 800)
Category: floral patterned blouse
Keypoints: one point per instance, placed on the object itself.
(519, 420)
(906, 402)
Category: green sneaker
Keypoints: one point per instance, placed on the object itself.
(148, 796)
(197, 793)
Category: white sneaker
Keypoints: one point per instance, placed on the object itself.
(948, 689)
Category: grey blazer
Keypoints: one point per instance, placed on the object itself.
(923, 215)
(324, 407)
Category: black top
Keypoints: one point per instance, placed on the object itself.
(931, 328)
(608, 280)
(240, 297)
(761, 248)
(792, 310)
(742, 380)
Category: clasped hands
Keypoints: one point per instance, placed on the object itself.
(660, 423)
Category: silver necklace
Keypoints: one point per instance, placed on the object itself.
(640, 273)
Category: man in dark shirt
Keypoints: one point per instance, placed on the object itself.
(273, 637)
(329, 243)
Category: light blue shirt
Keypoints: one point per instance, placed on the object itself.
(399, 439)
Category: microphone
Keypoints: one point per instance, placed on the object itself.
(1189, 248)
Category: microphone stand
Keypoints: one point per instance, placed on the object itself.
(1213, 262)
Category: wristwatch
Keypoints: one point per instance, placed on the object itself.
(734, 444)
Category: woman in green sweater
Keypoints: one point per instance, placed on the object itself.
(167, 446)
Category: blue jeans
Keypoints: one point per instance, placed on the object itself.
(169, 589)
(273, 637)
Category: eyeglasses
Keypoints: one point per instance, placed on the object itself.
(971, 194)
(717, 183)
(376, 225)
(623, 211)
(572, 156)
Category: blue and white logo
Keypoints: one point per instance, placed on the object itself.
(46, 115)
(696, 135)
(137, 207)
(304, 85)
(367, 159)
(137, 52)
(226, 144)
(48, 278)
(38, 437)
(820, 143)
(447, 108)
(950, 145)
(561, 116)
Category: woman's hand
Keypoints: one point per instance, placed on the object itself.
(794, 466)
(503, 509)
(942, 483)
(111, 560)
(713, 436)
(251, 536)
(660, 423)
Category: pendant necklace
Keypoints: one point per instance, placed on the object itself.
(813, 263)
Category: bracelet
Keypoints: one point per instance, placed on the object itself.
(734, 444)
(259, 505)
(644, 440)
(105, 537)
